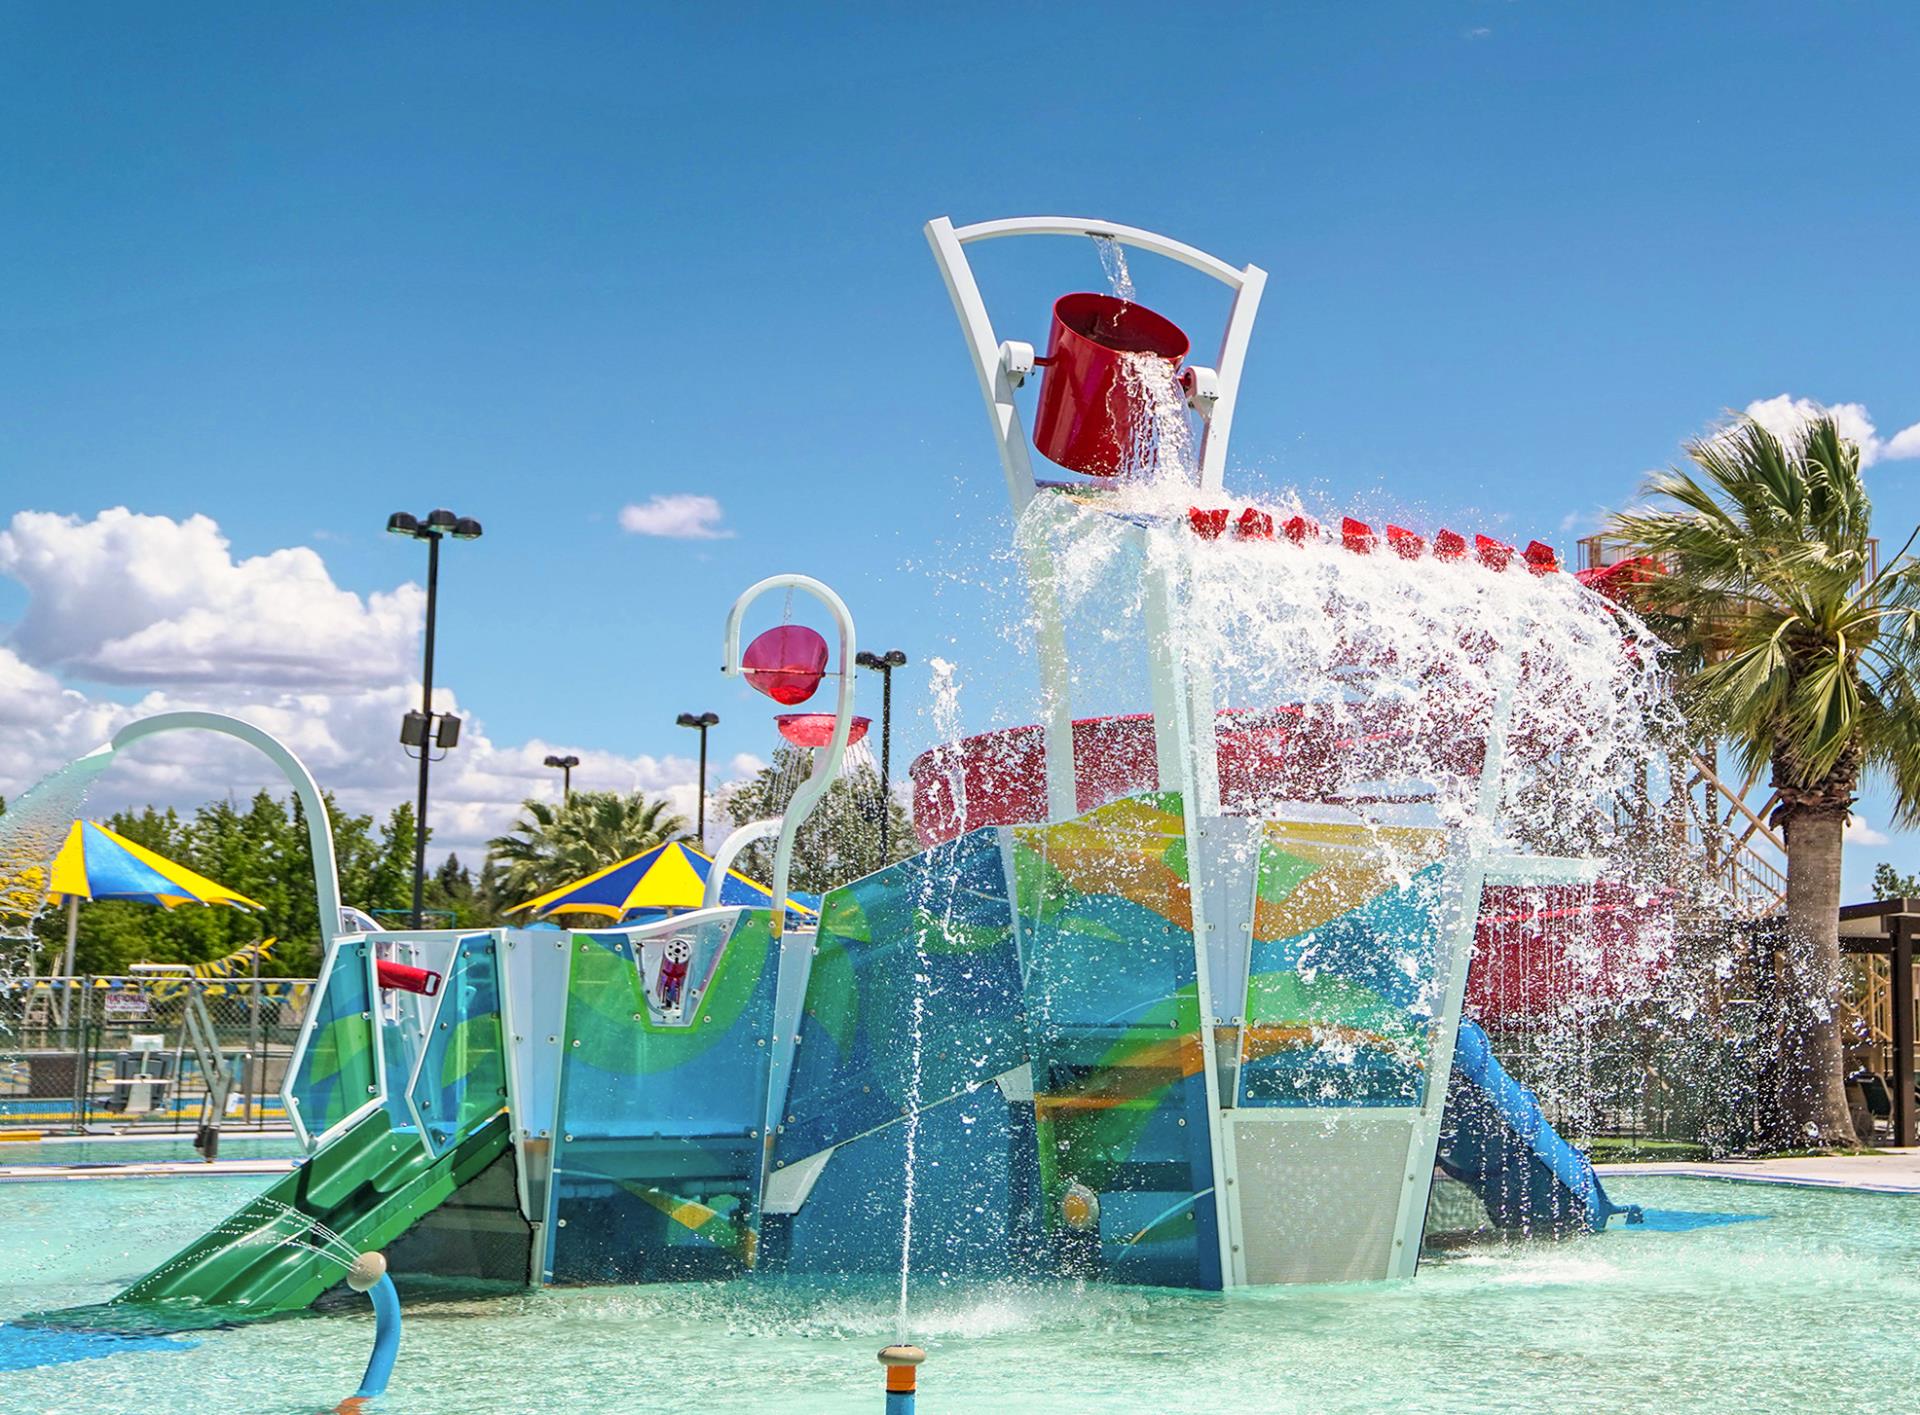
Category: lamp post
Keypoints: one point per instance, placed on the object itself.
(884, 664)
(566, 765)
(418, 729)
(701, 723)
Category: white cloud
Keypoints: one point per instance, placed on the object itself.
(134, 599)
(1858, 832)
(200, 633)
(681, 516)
(1785, 416)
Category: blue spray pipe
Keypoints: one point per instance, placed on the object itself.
(369, 1274)
(903, 1368)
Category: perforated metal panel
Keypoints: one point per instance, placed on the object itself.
(1318, 1192)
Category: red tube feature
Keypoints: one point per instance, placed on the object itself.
(400, 977)
(1089, 406)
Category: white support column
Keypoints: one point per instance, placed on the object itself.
(1425, 1139)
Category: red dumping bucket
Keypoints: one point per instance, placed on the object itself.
(815, 729)
(400, 977)
(1087, 414)
(786, 663)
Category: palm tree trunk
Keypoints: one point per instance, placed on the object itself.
(1809, 1063)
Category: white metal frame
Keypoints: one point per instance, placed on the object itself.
(326, 878)
(826, 762)
(1001, 369)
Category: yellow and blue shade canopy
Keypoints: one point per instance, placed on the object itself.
(97, 864)
(667, 877)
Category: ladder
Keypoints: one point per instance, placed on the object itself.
(220, 1071)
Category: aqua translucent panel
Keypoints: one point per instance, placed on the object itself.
(335, 1074)
(1119, 1081)
(914, 996)
(658, 1158)
(1351, 957)
(461, 1081)
(976, 1207)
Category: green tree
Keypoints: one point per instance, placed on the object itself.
(1803, 659)
(838, 842)
(261, 852)
(551, 845)
(1889, 883)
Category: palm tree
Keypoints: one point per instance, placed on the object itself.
(550, 845)
(1801, 655)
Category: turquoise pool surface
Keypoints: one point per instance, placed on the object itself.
(1808, 1309)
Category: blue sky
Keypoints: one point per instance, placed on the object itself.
(294, 268)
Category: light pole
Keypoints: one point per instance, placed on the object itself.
(566, 765)
(701, 723)
(418, 729)
(884, 664)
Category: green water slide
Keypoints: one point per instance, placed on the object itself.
(277, 1254)
(442, 1189)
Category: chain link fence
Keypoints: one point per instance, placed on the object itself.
(88, 1052)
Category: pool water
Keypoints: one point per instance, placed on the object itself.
(1809, 1308)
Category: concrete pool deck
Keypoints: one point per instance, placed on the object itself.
(1895, 1171)
(142, 1169)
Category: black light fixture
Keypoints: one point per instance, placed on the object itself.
(701, 723)
(564, 765)
(423, 730)
(884, 664)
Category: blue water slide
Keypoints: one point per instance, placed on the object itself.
(1494, 1138)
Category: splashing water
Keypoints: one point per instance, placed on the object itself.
(1113, 260)
(935, 912)
(1160, 444)
(31, 833)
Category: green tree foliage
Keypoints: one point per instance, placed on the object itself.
(1803, 658)
(1889, 883)
(840, 840)
(261, 852)
(551, 845)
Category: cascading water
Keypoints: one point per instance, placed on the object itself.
(1159, 431)
(32, 831)
(945, 692)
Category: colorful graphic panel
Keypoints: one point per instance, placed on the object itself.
(335, 1073)
(1118, 1056)
(1352, 931)
(914, 995)
(662, 1093)
(462, 1077)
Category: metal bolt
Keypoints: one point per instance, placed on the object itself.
(576, 1041)
(563, 1223)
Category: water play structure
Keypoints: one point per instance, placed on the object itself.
(1175, 992)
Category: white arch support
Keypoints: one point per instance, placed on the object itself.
(326, 875)
(826, 762)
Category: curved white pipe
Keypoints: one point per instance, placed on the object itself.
(826, 762)
(326, 876)
(730, 850)
(1084, 226)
